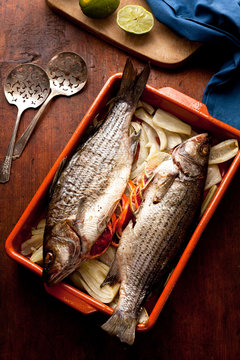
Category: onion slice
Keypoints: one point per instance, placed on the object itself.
(90, 276)
(149, 108)
(213, 176)
(37, 256)
(173, 139)
(154, 161)
(148, 119)
(170, 122)
(208, 199)
(223, 151)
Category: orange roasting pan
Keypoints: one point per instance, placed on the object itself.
(189, 110)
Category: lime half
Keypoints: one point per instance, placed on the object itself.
(135, 19)
(98, 8)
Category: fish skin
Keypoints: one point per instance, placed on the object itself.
(90, 186)
(149, 246)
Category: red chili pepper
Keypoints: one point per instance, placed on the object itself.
(102, 243)
(122, 218)
(114, 222)
(138, 196)
(127, 205)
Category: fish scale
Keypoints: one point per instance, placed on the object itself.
(164, 224)
(74, 186)
(149, 246)
(89, 187)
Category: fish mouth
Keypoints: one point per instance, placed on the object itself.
(54, 274)
(60, 261)
(51, 279)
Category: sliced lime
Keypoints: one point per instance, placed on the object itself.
(135, 19)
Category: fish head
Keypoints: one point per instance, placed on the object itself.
(61, 253)
(191, 157)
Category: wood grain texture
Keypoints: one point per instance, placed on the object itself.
(201, 319)
(161, 45)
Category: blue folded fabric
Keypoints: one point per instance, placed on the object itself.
(213, 22)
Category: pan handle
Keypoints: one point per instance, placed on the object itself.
(184, 100)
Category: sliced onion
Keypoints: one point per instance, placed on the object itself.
(149, 108)
(154, 149)
(143, 140)
(137, 171)
(151, 136)
(90, 276)
(143, 316)
(136, 126)
(32, 244)
(213, 176)
(41, 224)
(170, 122)
(208, 199)
(223, 151)
(148, 119)
(155, 160)
(186, 137)
(38, 231)
(173, 139)
(37, 256)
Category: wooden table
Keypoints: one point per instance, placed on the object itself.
(201, 319)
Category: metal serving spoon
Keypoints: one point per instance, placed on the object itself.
(67, 72)
(26, 86)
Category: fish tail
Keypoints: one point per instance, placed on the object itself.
(133, 84)
(122, 325)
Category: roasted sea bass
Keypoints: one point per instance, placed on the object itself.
(90, 186)
(149, 245)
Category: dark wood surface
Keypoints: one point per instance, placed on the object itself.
(201, 319)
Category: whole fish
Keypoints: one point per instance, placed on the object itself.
(149, 245)
(90, 186)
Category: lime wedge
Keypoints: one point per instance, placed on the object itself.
(98, 8)
(135, 19)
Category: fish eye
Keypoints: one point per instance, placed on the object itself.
(49, 257)
(204, 149)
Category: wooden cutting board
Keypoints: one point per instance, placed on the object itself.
(161, 46)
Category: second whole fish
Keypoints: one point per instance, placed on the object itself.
(91, 185)
(149, 245)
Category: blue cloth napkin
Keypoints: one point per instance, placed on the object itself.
(214, 22)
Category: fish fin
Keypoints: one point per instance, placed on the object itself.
(134, 141)
(57, 175)
(112, 276)
(122, 325)
(103, 222)
(162, 187)
(132, 85)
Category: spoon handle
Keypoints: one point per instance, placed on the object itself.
(22, 142)
(6, 164)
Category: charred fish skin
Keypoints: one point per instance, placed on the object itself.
(90, 186)
(148, 247)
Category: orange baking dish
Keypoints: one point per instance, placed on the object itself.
(189, 110)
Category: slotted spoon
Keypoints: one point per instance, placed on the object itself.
(26, 86)
(67, 72)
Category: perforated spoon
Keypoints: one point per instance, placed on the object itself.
(67, 72)
(26, 86)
